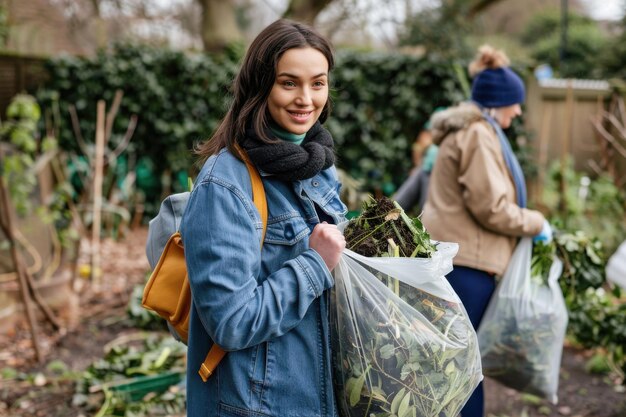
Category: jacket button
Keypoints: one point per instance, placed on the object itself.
(315, 183)
(289, 232)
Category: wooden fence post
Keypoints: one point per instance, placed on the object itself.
(566, 139)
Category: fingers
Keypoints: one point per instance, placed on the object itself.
(329, 242)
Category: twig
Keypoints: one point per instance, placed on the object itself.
(594, 166)
(124, 339)
(132, 124)
(43, 160)
(79, 136)
(8, 231)
(620, 107)
(605, 150)
(607, 136)
(32, 251)
(110, 117)
(620, 128)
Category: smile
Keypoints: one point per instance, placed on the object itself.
(300, 116)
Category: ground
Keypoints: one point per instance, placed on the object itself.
(102, 319)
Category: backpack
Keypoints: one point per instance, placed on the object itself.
(167, 291)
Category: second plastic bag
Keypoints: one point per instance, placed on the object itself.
(403, 344)
(522, 332)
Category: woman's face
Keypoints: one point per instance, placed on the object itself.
(505, 115)
(300, 90)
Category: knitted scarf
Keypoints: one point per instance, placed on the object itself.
(511, 161)
(288, 161)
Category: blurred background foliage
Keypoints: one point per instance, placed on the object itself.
(381, 101)
(174, 63)
(542, 36)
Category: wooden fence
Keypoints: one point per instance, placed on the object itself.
(19, 74)
(561, 114)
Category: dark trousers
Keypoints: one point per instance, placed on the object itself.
(474, 288)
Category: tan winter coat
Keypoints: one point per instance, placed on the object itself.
(471, 196)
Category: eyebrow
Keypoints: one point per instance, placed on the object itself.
(286, 74)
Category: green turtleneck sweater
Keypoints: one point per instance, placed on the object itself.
(286, 136)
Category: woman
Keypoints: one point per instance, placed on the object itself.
(477, 193)
(267, 308)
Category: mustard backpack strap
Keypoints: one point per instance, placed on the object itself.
(211, 361)
(258, 193)
(216, 353)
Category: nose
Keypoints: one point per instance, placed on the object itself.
(304, 97)
(518, 110)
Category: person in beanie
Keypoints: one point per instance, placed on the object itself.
(477, 192)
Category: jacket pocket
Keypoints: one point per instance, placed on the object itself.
(259, 368)
(287, 229)
(225, 410)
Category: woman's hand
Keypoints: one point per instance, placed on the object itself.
(329, 242)
(545, 235)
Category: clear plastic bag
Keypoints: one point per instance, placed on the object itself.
(522, 332)
(403, 344)
(616, 267)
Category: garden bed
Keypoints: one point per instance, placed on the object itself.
(47, 390)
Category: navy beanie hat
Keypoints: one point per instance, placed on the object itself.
(498, 87)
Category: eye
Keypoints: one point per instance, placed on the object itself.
(288, 83)
(319, 84)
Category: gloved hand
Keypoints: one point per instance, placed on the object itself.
(545, 235)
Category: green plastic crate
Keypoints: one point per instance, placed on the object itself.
(136, 389)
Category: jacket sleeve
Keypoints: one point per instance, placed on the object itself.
(222, 250)
(482, 177)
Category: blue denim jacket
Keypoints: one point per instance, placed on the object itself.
(269, 308)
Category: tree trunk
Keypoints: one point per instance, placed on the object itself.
(219, 24)
(305, 10)
(477, 6)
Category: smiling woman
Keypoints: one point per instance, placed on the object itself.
(300, 91)
(269, 308)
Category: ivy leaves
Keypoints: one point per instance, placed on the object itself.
(597, 318)
(20, 130)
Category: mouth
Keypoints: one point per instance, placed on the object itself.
(300, 116)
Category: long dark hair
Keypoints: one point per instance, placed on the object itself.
(255, 80)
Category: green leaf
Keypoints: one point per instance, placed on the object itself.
(395, 404)
(387, 351)
(355, 393)
(403, 410)
(450, 368)
(379, 395)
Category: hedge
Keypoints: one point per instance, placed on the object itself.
(380, 102)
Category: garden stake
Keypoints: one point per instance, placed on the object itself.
(566, 142)
(97, 197)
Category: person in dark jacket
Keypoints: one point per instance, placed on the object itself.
(413, 191)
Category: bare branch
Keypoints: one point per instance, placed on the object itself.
(616, 124)
(305, 10)
(132, 124)
(110, 117)
(79, 136)
(609, 138)
(620, 106)
(478, 6)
